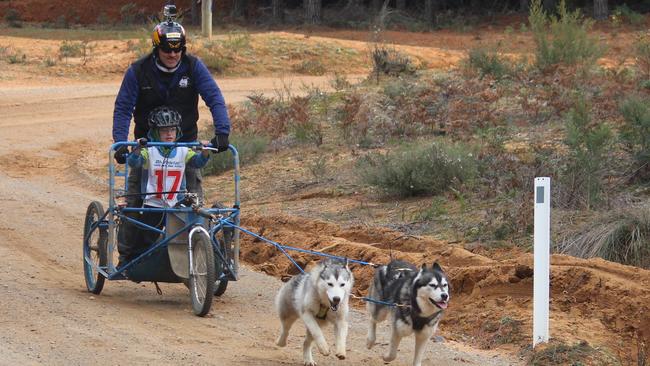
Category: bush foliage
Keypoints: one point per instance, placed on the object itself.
(419, 169)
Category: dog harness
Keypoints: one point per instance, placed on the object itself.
(322, 312)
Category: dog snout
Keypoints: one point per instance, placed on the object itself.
(336, 300)
(444, 297)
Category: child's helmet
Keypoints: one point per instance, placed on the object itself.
(164, 116)
(169, 36)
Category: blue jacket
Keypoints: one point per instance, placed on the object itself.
(131, 92)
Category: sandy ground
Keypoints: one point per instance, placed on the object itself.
(46, 182)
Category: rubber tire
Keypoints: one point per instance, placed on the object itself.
(201, 244)
(221, 285)
(94, 280)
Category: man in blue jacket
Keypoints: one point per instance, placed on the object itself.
(168, 76)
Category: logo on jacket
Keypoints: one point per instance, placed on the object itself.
(184, 82)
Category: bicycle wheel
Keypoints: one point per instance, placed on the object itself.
(221, 284)
(202, 274)
(94, 248)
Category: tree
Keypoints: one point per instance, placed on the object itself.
(524, 6)
(239, 8)
(312, 11)
(278, 10)
(600, 9)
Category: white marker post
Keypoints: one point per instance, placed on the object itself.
(542, 264)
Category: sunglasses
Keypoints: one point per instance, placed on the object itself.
(169, 50)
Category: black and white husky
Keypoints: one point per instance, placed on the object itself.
(319, 297)
(417, 301)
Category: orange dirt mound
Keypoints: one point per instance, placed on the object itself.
(603, 303)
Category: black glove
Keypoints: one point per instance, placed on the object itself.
(220, 142)
(120, 154)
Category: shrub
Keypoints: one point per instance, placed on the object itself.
(587, 143)
(310, 67)
(418, 169)
(643, 56)
(140, 47)
(562, 39)
(249, 147)
(488, 63)
(623, 14)
(622, 236)
(388, 61)
(581, 353)
(128, 13)
(635, 134)
(13, 18)
(72, 49)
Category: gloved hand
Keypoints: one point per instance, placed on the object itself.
(120, 154)
(220, 142)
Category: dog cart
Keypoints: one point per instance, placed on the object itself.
(196, 246)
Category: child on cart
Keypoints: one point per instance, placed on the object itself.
(163, 179)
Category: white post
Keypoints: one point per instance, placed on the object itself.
(542, 264)
(206, 18)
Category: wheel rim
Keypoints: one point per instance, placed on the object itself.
(92, 249)
(200, 274)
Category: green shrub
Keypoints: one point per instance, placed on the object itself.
(581, 353)
(635, 133)
(562, 39)
(488, 63)
(237, 41)
(128, 13)
(623, 14)
(587, 142)
(72, 49)
(643, 56)
(418, 168)
(622, 236)
(140, 47)
(13, 18)
(310, 67)
(249, 148)
(388, 61)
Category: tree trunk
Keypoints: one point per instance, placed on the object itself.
(206, 18)
(428, 12)
(278, 11)
(600, 9)
(549, 6)
(194, 13)
(524, 6)
(376, 6)
(238, 8)
(312, 11)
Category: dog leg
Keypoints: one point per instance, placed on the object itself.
(421, 339)
(372, 332)
(395, 338)
(285, 325)
(312, 326)
(341, 330)
(306, 350)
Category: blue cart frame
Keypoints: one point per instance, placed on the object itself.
(197, 246)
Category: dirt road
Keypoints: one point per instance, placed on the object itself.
(54, 139)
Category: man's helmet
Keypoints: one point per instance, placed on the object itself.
(164, 116)
(169, 36)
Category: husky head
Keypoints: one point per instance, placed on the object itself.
(334, 283)
(431, 288)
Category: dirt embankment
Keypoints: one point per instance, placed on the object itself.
(604, 303)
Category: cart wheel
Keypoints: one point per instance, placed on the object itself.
(202, 275)
(94, 248)
(224, 238)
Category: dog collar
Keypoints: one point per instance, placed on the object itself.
(322, 312)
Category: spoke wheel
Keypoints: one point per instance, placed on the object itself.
(95, 242)
(202, 274)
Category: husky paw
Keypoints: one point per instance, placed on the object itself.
(310, 363)
(340, 356)
(281, 342)
(388, 357)
(370, 343)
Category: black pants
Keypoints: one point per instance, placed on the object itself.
(132, 240)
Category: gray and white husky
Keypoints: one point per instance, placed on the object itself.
(420, 298)
(318, 297)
